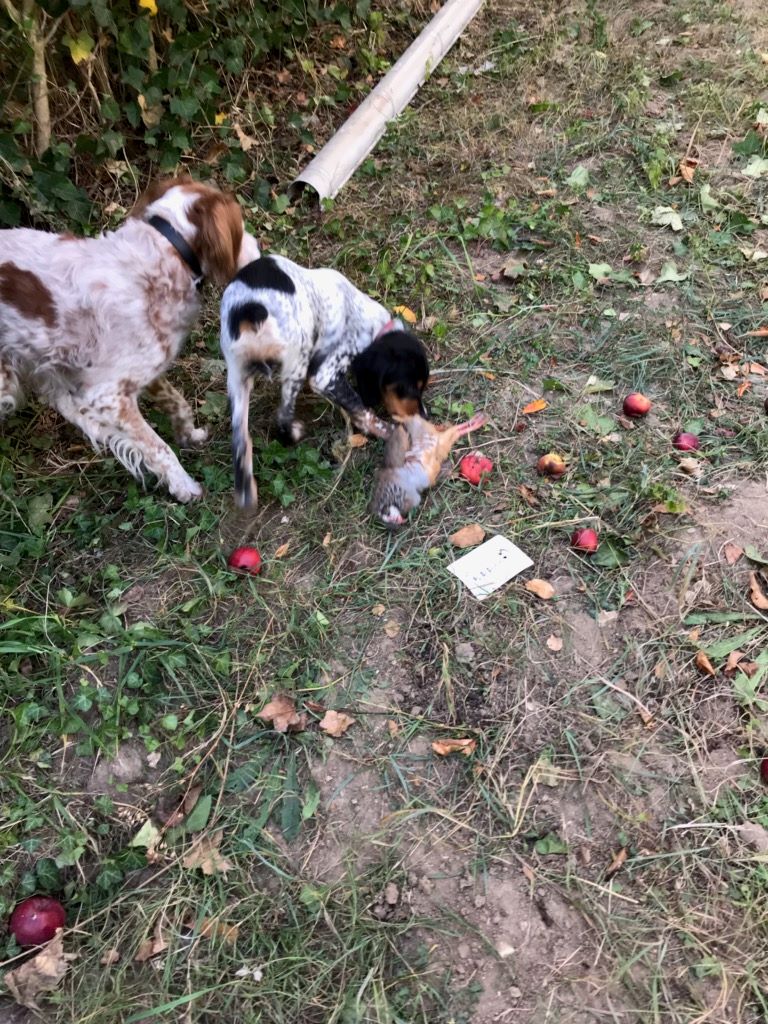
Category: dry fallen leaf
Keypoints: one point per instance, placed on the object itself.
(538, 405)
(392, 727)
(528, 495)
(757, 369)
(463, 746)
(378, 610)
(617, 862)
(40, 974)
(336, 723)
(755, 835)
(468, 536)
(407, 314)
(703, 664)
(730, 371)
(214, 928)
(246, 141)
(357, 440)
(555, 643)
(761, 332)
(327, 539)
(541, 588)
(742, 388)
(732, 553)
(645, 716)
(185, 807)
(207, 856)
(151, 947)
(282, 550)
(282, 715)
(687, 168)
(733, 662)
(692, 467)
(111, 956)
(756, 595)
(391, 628)
(605, 617)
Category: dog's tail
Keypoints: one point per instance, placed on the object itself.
(248, 342)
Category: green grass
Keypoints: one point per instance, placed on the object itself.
(123, 633)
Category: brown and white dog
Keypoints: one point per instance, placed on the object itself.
(88, 324)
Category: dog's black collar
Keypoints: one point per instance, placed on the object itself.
(181, 246)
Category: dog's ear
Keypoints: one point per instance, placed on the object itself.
(219, 222)
(156, 190)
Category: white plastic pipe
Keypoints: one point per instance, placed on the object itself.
(340, 157)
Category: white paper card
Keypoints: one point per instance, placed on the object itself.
(490, 566)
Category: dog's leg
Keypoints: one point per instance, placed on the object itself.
(290, 430)
(11, 394)
(239, 386)
(170, 400)
(334, 386)
(113, 420)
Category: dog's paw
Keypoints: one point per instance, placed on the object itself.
(185, 489)
(8, 405)
(194, 438)
(291, 433)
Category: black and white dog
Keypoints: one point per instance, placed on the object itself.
(315, 325)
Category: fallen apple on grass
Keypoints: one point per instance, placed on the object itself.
(585, 540)
(474, 467)
(686, 442)
(245, 559)
(636, 405)
(551, 464)
(36, 920)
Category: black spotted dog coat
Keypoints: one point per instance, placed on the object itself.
(314, 325)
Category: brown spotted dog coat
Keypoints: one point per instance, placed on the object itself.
(87, 325)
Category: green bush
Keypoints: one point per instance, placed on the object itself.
(102, 92)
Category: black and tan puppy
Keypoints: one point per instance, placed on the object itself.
(393, 372)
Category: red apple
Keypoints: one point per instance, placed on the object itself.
(764, 769)
(685, 442)
(585, 539)
(636, 405)
(36, 920)
(551, 464)
(245, 559)
(473, 467)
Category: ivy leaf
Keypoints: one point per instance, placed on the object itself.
(80, 46)
(184, 106)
